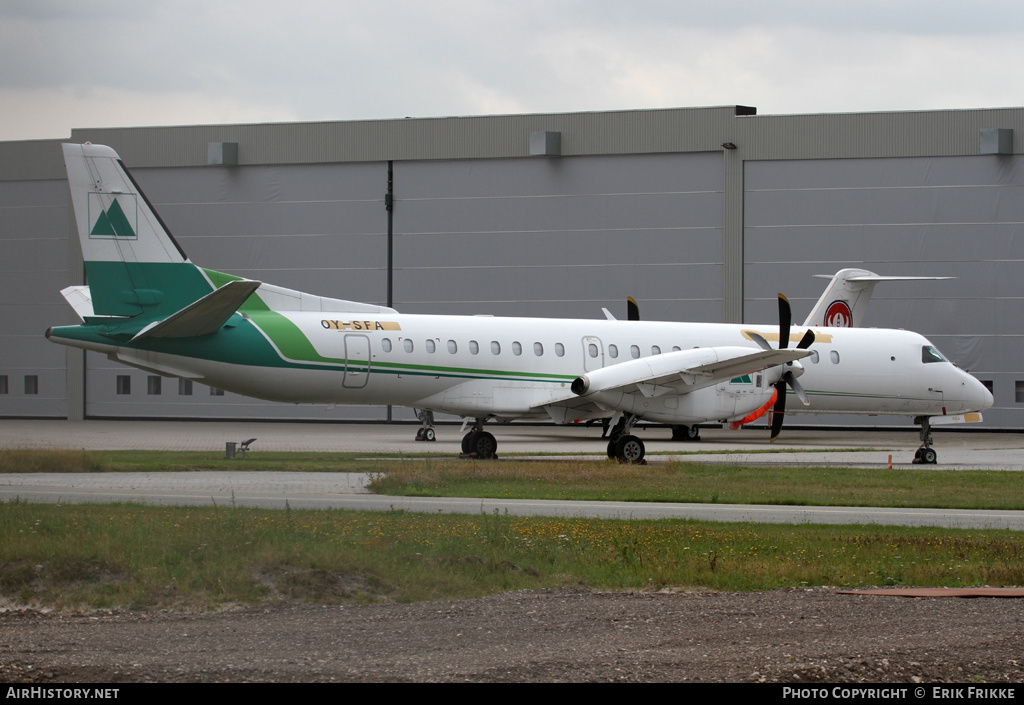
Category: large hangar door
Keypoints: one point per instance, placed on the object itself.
(561, 237)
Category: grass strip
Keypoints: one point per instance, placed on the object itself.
(144, 557)
(693, 481)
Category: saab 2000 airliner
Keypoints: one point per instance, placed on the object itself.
(147, 305)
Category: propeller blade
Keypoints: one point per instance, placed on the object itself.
(798, 388)
(632, 310)
(780, 409)
(785, 319)
(807, 340)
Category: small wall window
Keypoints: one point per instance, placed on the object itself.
(184, 387)
(613, 351)
(431, 347)
(517, 347)
(989, 386)
(154, 384)
(214, 392)
(495, 347)
(453, 347)
(1018, 391)
(3, 384)
(538, 349)
(634, 351)
(385, 344)
(559, 350)
(31, 384)
(124, 384)
(474, 347)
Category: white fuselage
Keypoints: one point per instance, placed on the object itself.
(520, 367)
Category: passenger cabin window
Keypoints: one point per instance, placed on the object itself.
(453, 347)
(814, 356)
(634, 351)
(517, 347)
(495, 347)
(655, 350)
(834, 354)
(592, 350)
(431, 347)
(613, 351)
(474, 347)
(930, 354)
(559, 349)
(538, 349)
(407, 344)
(385, 344)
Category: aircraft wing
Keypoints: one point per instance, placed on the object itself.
(682, 371)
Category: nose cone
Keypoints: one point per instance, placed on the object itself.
(976, 396)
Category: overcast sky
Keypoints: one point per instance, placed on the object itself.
(112, 63)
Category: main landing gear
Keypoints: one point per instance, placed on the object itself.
(478, 443)
(623, 446)
(426, 431)
(685, 433)
(925, 455)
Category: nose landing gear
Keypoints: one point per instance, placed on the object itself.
(925, 455)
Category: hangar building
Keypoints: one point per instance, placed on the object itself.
(700, 214)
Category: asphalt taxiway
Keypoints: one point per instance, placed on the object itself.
(999, 451)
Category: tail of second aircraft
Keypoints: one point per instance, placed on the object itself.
(844, 303)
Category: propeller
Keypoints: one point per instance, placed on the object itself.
(632, 309)
(788, 378)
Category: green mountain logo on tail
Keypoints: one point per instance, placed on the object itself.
(112, 221)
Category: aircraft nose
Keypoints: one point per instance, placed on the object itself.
(976, 394)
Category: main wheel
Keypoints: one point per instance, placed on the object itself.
(629, 449)
(429, 435)
(484, 445)
(468, 440)
(929, 456)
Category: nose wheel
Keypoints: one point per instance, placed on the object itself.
(925, 455)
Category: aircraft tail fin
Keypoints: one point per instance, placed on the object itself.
(845, 301)
(133, 264)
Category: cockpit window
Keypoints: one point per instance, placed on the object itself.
(930, 354)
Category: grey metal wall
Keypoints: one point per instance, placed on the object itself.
(34, 266)
(561, 237)
(938, 216)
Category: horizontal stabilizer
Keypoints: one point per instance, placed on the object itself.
(80, 299)
(205, 316)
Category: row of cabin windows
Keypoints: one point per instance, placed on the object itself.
(538, 349)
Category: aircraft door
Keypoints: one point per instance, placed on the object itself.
(593, 353)
(357, 361)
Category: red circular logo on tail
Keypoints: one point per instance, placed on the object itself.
(839, 315)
